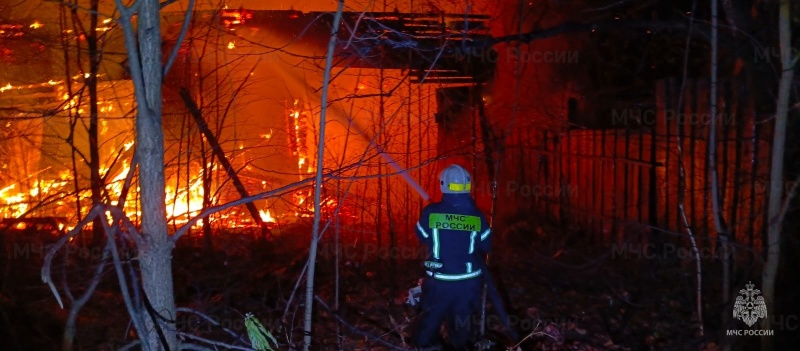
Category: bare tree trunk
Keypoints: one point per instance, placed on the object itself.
(719, 220)
(312, 251)
(155, 259)
(94, 146)
(775, 214)
(682, 180)
(96, 183)
(154, 255)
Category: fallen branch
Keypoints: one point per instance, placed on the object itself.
(530, 335)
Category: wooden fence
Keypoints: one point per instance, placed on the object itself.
(625, 180)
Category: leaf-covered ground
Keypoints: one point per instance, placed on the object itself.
(561, 297)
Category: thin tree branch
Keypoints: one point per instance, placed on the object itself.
(315, 234)
(211, 210)
(48, 259)
(76, 6)
(776, 187)
(170, 2)
(788, 200)
(208, 319)
(77, 304)
(184, 28)
(133, 311)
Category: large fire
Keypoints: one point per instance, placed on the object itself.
(61, 189)
(43, 194)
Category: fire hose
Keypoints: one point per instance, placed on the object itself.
(497, 301)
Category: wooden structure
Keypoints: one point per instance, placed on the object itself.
(431, 47)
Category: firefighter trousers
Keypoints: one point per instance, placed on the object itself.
(455, 303)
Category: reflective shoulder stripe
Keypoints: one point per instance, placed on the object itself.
(422, 230)
(485, 234)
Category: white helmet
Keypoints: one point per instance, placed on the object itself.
(455, 180)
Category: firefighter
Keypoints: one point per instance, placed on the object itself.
(454, 231)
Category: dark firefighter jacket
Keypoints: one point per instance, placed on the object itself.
(453, 230)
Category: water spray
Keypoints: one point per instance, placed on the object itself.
(389, 159)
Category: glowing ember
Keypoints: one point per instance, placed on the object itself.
(36, 25)
(266, 216)
(235, 17)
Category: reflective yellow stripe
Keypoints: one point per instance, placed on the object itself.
(459, 186)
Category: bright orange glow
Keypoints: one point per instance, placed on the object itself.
(184, 197)
(298, 132)
(234, 17)
(182, 203)
(231, 45)
(266, 216)
(36, 25)
(185, 203)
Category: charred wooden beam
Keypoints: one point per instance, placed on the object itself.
(217, 149)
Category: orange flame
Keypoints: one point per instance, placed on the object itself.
(266, 216)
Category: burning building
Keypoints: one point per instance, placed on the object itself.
(412, 87)
(254, 78)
